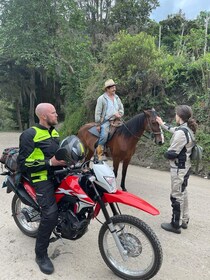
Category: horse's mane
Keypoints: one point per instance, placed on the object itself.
(132, 126)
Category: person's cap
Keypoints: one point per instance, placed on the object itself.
(109, 83)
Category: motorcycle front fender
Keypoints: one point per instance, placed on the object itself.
(131, 200)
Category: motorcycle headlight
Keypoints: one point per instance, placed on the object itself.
(111, 181)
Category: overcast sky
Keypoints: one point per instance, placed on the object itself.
(191, 8)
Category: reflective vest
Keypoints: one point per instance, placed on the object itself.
(37, 157)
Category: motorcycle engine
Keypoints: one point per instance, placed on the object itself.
(70, 227)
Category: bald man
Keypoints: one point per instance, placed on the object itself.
(36, 160)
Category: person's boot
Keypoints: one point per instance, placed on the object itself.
(185, 224)
(170, 227)
(100, 153)
(45, 264)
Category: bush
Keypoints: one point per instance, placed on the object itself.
(74, 119)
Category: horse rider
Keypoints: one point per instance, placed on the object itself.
(108, 108)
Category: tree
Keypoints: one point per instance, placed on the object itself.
(25, 36)
(130, 60)
(105, 18)
(45, 39)
(132, 14)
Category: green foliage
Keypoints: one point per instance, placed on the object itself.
(94, 89)
(131, 59)
(63, 51)
(6, 121)
(105, 18)
(204, 140)
(194, 42)
(73, 122)
(43, 44)
(128, 54)
(136, 18)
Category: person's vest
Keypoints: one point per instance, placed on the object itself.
(37, 154)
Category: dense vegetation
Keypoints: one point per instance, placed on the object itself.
(63, 51)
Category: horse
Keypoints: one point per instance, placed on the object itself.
(122, 144)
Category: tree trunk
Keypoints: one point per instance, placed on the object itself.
(206, 34)
(18, 114)
(32, 98)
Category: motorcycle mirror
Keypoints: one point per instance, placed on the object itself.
(60, 154)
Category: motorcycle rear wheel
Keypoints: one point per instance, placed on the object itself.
(28, 228)
(144, 252)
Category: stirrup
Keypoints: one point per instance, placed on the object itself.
(103, 158)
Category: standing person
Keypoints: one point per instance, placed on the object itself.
(179, 157)
(36, 160)
(108, 107)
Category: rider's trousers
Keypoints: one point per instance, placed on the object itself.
(104, 132)
(49, 215)
(179, 196)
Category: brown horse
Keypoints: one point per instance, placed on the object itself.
(122, 145)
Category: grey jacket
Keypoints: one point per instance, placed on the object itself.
(101, 107)
(179, 151)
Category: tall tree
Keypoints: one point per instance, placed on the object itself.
(45, 38)
(105, 18)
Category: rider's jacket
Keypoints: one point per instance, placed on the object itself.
(101, 107)
(37, 145)
(180, 149)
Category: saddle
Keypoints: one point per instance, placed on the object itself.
(114, 124)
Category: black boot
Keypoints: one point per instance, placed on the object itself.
(170, 227)
(184, 225)
(45, 264)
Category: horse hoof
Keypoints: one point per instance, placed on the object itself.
(124, 189)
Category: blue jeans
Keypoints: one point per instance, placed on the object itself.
(104, 132)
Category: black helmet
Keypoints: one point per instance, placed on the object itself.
(71, 150)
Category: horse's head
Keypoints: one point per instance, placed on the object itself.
(153, 127)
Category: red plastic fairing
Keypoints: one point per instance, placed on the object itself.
(30, 190)
(97, 210)
(130, 199)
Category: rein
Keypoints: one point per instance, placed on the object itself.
(129, 130)
(149, 124)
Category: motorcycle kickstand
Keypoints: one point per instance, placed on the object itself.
(57, 237)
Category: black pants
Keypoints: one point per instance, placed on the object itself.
(49, 215)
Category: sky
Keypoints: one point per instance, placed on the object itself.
(191, 8)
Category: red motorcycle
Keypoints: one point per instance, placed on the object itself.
(128, 245)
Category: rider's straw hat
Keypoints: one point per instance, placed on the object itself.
(109, 83)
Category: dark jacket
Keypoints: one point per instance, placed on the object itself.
(37, 145)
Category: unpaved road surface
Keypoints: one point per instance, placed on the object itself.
(186, 255)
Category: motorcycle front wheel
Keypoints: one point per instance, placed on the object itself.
(25, 217)
(143, 252)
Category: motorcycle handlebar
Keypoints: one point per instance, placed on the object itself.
(62, 171)
(67, 170)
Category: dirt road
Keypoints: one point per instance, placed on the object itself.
(186, 256)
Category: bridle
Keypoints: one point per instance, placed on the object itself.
(152, 133)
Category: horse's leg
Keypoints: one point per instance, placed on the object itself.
(88, 157)
(124, 171)
(116, 163)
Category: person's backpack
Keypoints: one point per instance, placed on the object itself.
(197, 150)
(9, 158)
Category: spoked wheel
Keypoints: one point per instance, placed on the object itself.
(143, 252)
(26, 217)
